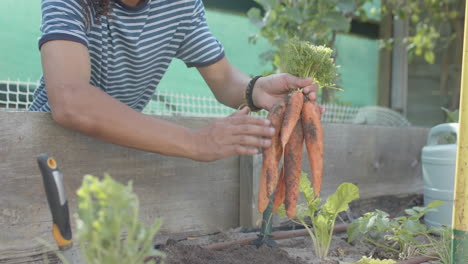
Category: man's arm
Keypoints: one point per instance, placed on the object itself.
(77, 105)
(226, 82)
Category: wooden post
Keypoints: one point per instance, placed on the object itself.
(250, 167)
(385, 62)
(460, 205)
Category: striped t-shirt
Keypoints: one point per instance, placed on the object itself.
(132, 47)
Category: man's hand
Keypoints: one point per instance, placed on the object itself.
(236, 134)
(270, 89)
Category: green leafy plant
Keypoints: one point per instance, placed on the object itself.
(322, 216)
(441, 245)
(435, 33)
(432, 23)
(396, 235)
(302, 59)
(316, 21)
(107, 212)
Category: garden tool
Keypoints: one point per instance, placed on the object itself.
(58, 205)
(265, 236)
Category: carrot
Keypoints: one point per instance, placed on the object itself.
(271, 157)
(291, 116)
(313, 135)
(275, 148)
(292, 168)
(280, 193)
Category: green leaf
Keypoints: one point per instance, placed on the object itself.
(282, 211)
(414, 226)
(304, 187)
(366, 260)
(267, 4)
(429, 56)
(322, 231)
(338, 202)
(255, 17)
(347, 6)
(435, 204)
(353, 231)
(295, 14)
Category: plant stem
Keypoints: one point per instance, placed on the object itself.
(380, 245)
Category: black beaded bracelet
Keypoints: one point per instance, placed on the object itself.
(249, 92)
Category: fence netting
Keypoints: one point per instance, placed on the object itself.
(18, 95)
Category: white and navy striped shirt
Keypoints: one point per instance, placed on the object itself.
(132, 47)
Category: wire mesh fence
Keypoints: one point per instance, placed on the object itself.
(15, 95)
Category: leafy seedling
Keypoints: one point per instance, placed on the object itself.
(322, 216)
(396, 235)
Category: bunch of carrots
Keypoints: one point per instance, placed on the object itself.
(296, 121)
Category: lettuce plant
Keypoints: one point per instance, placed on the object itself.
(108, 227)
(322, 216)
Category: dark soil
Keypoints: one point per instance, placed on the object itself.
(184, 254)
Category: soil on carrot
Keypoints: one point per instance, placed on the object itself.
(298, 250)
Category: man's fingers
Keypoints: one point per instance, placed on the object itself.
(322, 110)
(244, 150)
(294, 82)
(244, 111)
(241, 120)
(250, 141)
(254, 130)
(312, 97)
(313, 88)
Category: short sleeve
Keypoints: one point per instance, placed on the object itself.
(63, 20)
(199, 47)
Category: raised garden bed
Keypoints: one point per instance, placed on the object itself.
(295, 250)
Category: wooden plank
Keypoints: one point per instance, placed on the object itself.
(188, 195)
(379, 160)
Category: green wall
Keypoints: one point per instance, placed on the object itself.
(19, 31)
(20, 58)
(358, 59)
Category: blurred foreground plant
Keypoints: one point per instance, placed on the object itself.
(107, 213)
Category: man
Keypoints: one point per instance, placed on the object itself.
(102, 60)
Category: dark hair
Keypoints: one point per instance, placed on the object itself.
(97, 8)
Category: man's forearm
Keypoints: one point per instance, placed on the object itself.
(96, 114)
(227, 83)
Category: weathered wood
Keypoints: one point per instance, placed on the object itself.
(379, 160)
(250, 169)
(188, 195)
